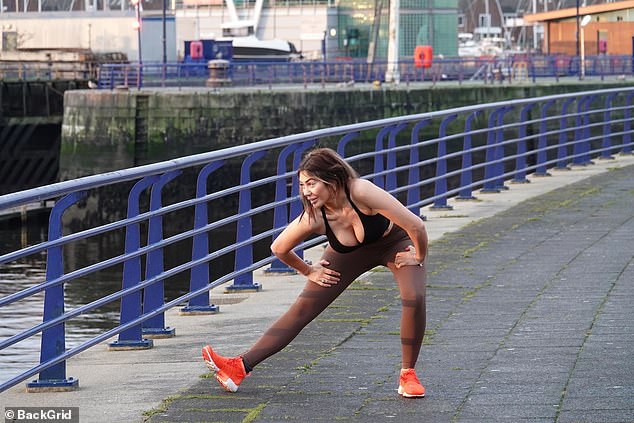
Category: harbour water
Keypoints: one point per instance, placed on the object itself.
(28, 312)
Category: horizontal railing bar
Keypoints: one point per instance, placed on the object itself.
(483, 164)
(119, 294)
(128, 221)
(84, 271)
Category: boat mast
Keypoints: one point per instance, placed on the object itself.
(256, 15)
(378, 5)
(248, 23)
(392, 73)
(506, 36)
(487, 13)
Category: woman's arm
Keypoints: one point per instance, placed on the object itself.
(368, 195)
(296, 232)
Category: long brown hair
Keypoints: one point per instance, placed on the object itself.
(328, 166)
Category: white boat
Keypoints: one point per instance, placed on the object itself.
(247, 47)
(477, 49)
(250, 48)
(470, 46)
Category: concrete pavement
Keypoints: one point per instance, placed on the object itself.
(529, 318)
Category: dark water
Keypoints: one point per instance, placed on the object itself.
(27, 312)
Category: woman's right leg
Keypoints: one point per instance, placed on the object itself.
(230, 371)
(309, 304)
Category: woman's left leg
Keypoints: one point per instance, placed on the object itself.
(412, 282)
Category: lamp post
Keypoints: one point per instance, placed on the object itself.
(586, 19)
(137, 26)
(164, 40)
(392, 72)
(577, 35)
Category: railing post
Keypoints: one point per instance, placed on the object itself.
(466, 178)
(379, 166)
(131, 339)
(499, 150)
(490, 168)
(112, 77)
(627, 126)
(281, 212)
(244, 254)
(413, 193)
(140, 81)
(53, 341)
(582, 143)
(562, 150)
(607, 142)
(520, 161)
(390, 179)
(297, 206)
(154, 295)
(341, 146)
(586, 131)
(440, 186)
(199, 276)
(577, 150)
(542, 142)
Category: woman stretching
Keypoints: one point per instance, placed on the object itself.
(365, 227)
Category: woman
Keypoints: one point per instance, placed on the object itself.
(365, 227)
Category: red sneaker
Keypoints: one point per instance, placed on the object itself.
(409, 386)
(229, 372)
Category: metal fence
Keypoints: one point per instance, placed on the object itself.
(509, 69)
(48, 70)
(514, 68)
(219, 211)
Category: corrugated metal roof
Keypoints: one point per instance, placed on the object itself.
(572, 12)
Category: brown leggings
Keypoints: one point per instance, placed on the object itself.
(314, 298)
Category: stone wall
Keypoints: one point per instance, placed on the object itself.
(152, 125)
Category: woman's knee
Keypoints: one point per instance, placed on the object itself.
(413, 301)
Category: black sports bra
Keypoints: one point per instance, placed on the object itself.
(374, 226)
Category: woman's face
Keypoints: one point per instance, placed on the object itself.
(313, 189)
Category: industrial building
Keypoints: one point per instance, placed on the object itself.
(602, 28)
(319, 28)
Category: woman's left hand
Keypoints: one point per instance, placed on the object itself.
(323, 275)
(406, 258)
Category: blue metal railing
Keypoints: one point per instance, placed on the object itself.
(517, 67)
(42, 70)
(249, 193)
(489, 69)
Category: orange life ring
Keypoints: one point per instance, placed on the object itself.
(423, 56)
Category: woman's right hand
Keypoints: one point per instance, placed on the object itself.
(323, 276)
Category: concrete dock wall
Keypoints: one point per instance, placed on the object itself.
(131, 127)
